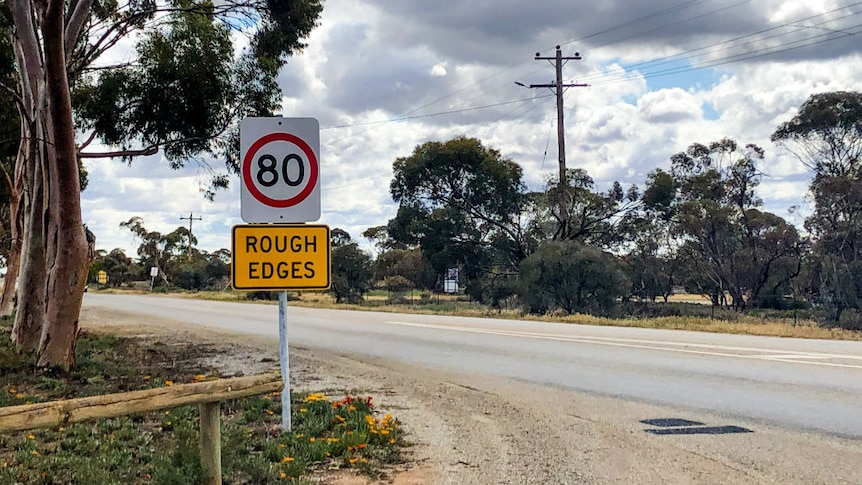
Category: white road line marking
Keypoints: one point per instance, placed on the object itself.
(781, 355)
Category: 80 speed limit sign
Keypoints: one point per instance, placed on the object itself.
(280, 170)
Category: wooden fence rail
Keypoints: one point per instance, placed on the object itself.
(207, 395)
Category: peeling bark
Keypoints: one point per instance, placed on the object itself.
(53, 259)
(13, 261)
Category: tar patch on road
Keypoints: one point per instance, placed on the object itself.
(665, 426)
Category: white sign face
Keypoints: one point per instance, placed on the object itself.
(450, 283)
(154, 271)
(280, 169)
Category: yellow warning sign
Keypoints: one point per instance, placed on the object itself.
(280, 257)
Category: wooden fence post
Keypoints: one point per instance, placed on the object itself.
(210, 443)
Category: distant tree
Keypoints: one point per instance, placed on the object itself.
(573, 277)
(826, 135)
(458, 201)
(725, 244)
(408, 264)
(120, 268)
(379, 236)
(351, 269)
(591, 216)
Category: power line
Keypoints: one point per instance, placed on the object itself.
(406, 115)
(711, 48)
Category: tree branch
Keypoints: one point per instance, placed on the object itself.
(80, 10)
(121, 153)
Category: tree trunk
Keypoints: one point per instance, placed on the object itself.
(7, 300)
(27, 328)
(54, 247)
(66, 248)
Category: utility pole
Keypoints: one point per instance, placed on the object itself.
(559, 61)
(191, 219)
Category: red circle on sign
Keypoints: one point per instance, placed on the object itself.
(260, 196)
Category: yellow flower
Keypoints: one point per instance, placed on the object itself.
(282, 446)
(287, 459)
(200, 377)
(316, 397)
(269, 412)
(302, 410)
(353, 460)
(312, 439)
(36, 453)
(332, 440)
(167, 423)
(351, 408)
(340, 418)
(392, 441)
(169, 382)
(369, 420)
(384, 431)
(31, 437)
(282, 475)
(12, 390)
(299, 435)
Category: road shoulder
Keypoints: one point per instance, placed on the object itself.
(484, 430)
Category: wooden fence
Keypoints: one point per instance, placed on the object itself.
(207, 395)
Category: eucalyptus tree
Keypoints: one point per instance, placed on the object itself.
(725, 243)
(181, 94)
(826, 136)
(462, 203)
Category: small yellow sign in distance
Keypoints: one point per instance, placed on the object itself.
(102, 277)
(280, 257)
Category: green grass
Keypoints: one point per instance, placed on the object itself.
(162, 447)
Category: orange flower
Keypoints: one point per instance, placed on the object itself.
(353, 460)
(287, 459)
(169, 382)
(361, 446)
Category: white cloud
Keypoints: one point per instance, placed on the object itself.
(404, 63)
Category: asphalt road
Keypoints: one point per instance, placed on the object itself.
(805, 385)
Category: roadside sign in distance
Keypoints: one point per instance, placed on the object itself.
(280, 170)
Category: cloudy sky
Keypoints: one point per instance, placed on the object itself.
(383, 76)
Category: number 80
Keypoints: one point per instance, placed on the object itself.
(266, 164)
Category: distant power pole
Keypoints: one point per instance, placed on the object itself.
(559, 61)
(191, 219)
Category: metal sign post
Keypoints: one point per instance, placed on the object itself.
(284, 360)
(280, 175)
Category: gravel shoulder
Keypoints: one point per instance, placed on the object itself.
(486, 430)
